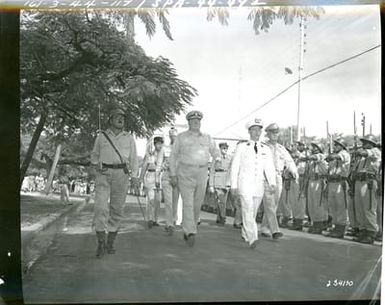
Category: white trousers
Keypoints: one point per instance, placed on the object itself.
(249, 209)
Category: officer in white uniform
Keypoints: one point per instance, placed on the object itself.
(252, 173)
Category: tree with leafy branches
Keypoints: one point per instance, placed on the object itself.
(73, 64)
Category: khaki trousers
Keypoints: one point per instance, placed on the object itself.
(110, 196)
(171, 196)
(270, 205)
(318, 210)
(366, 209)
(192, 183)
(338, 202)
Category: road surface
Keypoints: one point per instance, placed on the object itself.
(151, 266)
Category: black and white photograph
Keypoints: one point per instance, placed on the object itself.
(202, 153)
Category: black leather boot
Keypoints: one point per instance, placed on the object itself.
(110, 242)
(101, 250)
(338, 232)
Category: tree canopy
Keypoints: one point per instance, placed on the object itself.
(73, 63)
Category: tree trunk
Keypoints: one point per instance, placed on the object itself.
(32, 146)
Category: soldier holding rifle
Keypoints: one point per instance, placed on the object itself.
(365, 188)
(115, 159)
(339, 163)
(318, 211)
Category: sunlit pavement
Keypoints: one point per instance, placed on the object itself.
(151, 266)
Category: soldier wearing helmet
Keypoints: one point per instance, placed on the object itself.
(365, 187)
(338, 171)
(317, 205)
(115, 159)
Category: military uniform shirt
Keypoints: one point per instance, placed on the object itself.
(105, 153)
(320, 166)
(340, 167)
(192, 149)
(219, 172)
(281, 158)
(371, 163)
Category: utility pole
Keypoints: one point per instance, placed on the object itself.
(302, 27)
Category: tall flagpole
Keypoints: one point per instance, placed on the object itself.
(302, 27)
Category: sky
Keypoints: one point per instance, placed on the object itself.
(236, 71)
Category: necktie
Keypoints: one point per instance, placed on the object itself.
(255, 148)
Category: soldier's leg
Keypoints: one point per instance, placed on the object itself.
(101, 206)
(119, 188)
(270, 209)
(249, 206)
(175, 200)
(297, 206)
(157, 199)
(370, 209)
(221, 205)
(149, 184)
(186, 185)
(359, 207)
(342, 206)
(200, 191)
(168, 202)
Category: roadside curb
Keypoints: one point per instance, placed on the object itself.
(31, 247)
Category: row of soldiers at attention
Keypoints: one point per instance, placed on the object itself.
(299, 183)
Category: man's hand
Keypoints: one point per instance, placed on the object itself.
(174, 180)
(272, 189)
(157, 185)
(211, 189)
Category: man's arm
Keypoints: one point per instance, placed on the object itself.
(174, 156)
(270, 169)
(290, 164)
(214, 151)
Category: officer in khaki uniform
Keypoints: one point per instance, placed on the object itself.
(365, 187)
(219, 181)
(189, 171)
(170, 193)
(112, 179)
(318, 210)
(338, 170)
(281, 158)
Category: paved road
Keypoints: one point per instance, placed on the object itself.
(151, 266)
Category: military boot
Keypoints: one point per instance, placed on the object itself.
(297, 225)
(100, 251)
(110, 242)
(368, 237)
(317, 227)
(338, 232)
(352, 232)
(285, 222)
(360, 235)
